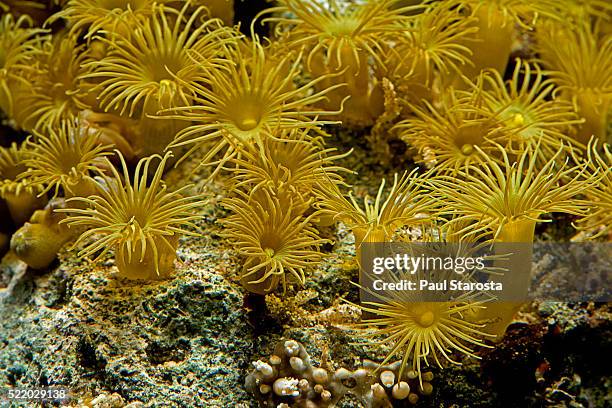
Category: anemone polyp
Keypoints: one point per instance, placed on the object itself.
(246, 103)
(599, 194)
(582, 70)
(140, 220)
(503, 202)
(58, 92)
(277, 242)
(39, 240)
(64, 158)
(452, 129)
(17, 42)
(93, 16)
(154, 66)
(375, 221)
(498, 23)
(429, 49)
(340, 32)
(293, 163)
(423, 332)
(527, 106)
(344, 39)
(20, 194)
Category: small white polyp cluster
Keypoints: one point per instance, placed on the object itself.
(289, 379)
(284, 387)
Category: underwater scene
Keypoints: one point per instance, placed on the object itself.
(305, 203)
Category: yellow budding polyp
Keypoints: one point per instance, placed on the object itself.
(20, 195)
(342, 40)
(504, 203)
(137, 219)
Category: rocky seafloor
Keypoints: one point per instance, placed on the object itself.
(189, 341)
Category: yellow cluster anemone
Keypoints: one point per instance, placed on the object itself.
(582, 69)
(432, 47)
(341, 33)
(64, 158)
(503, 202)
(154, 67)
(274, 187)
(17, 43)
(529, 111)
(500, 143)
(276, 241)
(499, 24)
(576, 12)
(245, 104)
(447, 135)
(341, 38)
(406, 203)
(599, 195)
(139, 220)
(19, 194)
(113, 16)
(423, 332)
(58, 92)
(291, 164)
